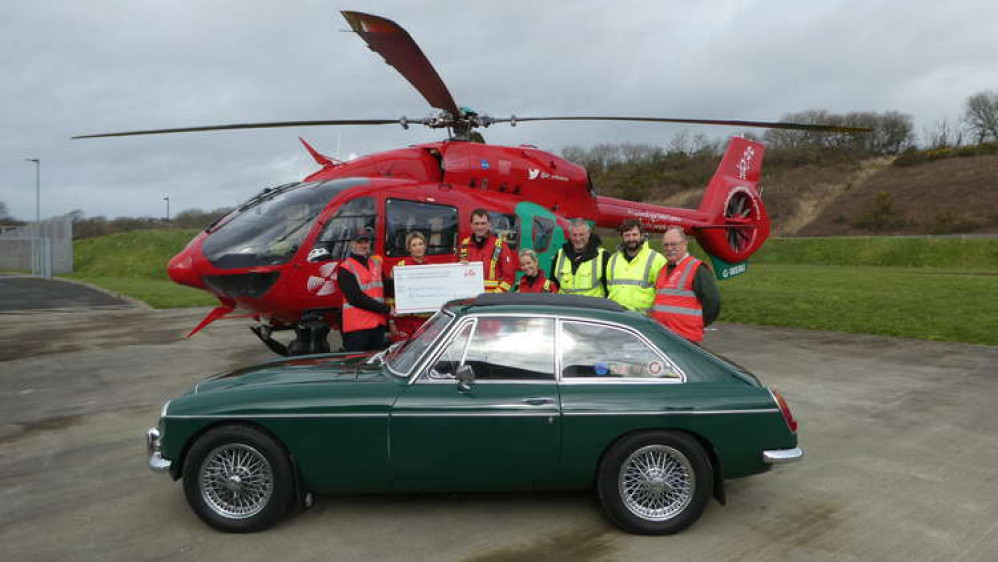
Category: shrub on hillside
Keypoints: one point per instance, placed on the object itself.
(882, 217)
(912, 157)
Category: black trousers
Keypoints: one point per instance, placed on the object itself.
(364, 340)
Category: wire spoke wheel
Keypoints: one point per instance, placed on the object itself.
(656, 482)
(236, 481)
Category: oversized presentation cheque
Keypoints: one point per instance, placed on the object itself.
(425, 288)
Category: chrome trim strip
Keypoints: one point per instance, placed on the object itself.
(510, 414)
(453, 381)
(664, 412)
(782, 456)
(269, 416)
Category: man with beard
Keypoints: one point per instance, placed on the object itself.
(580, 265)
(686, 298)
(633, 269)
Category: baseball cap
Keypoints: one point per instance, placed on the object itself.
(365, 233)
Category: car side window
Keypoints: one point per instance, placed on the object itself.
(600, 351)
(512, 348)
(452, 356)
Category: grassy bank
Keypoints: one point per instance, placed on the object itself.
(924, 303)
(134, 264)
(914, 251)
(928, 288)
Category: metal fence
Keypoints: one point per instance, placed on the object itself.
(44, 249)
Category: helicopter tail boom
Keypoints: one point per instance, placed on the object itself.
(731, 222)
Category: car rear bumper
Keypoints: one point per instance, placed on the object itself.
(781, 456)
(156, 461)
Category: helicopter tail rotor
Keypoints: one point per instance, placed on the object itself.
(737, 222)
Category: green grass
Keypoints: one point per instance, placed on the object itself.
(931, 304)
(139, 253)
(885, 286)
(909, 251)
(157, 293)
(915, 251)
(134, 264)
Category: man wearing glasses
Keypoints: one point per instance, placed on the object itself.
(686, 296)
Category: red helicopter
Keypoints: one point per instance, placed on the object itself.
(274, 258)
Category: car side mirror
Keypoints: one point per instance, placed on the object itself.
(319, 254)
(465, 376)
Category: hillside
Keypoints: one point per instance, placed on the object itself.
(955, 195)
(868, 197)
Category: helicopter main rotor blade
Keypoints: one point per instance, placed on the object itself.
(733, 123)
(397, 47)
(247, 126)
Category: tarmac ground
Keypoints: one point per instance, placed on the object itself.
(901, 439)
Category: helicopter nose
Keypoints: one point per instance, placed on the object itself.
(181, 270)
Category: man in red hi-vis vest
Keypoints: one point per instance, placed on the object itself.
(491, 250)
(686, 296)
(365, 314)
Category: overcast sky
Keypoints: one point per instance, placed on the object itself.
(72, 67)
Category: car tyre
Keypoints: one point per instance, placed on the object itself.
(238, 479)
(655, 483)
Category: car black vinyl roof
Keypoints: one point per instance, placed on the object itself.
(545, 299)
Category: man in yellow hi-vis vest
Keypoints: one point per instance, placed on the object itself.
(633, 269)
(580, 265)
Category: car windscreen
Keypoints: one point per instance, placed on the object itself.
(403, 358)
(269, 228)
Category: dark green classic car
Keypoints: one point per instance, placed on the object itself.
(502, 392)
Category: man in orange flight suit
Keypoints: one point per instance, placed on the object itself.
(491, 250)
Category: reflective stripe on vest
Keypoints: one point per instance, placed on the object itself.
(492, 285)
(569, 282)
(632, 293)
(676, 305)
(369, 281)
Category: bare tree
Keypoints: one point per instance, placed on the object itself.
(893, 133)
(4, 213)
(980, 114)
(942, 135)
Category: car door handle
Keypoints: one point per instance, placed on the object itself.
(540, 401)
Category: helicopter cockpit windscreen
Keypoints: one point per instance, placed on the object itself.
(269, 228)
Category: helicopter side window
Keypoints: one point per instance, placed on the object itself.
(541, 233)
(438, 223)
(352, 216)
(507, 226)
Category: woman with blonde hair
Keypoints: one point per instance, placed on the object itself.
(533, 279)
(403, 326)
